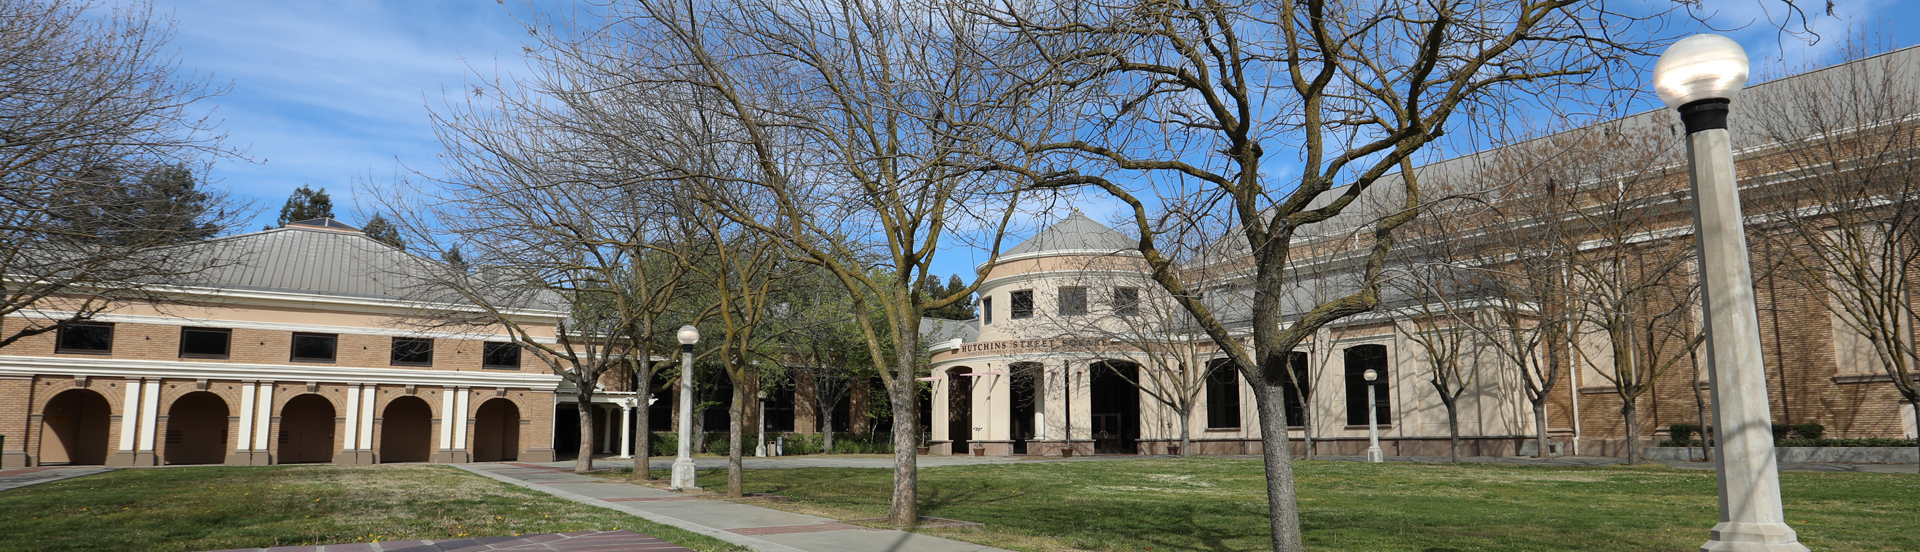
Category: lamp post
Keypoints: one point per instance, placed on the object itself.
(1699, 76)
(1374, 454)
(683, 464)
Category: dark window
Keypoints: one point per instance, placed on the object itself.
(1223, 396)
(308, 347)
(1022, 304)
(1359, 360)
(986, 309)
(1295, 390)
(1126, 301)
(500, 355)
(1073, 301)
(204, 342)
(86, 337)
(412, 351)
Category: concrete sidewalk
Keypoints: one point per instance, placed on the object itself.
(21, 477)
(754, 527)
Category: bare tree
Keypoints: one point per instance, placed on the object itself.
(1847, 209)
(853, 119)
(101, 135)
(826, 355)
(1191, 97)
(1438, 300)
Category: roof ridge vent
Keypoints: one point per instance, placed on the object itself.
(323, 223)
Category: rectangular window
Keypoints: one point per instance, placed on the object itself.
(1073, 301)
(94, 338)
(1022, 304)
(1126, 301)
(986, 309)
(412, 351)
(205, 342)
(1223, 396)
(312, 347)
(501, 356)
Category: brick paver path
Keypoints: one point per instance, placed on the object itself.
(584, 541)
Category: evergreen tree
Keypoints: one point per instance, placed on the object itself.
(163, 207)
(959, 310)
(454, 259)
(305, 204)
(379, 229)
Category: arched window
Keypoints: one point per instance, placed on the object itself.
(1223, 395)
(1359, 360)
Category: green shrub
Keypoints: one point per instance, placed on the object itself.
(663, 444)
(718, 443)
(1866, 442)
(800, 443)
(1809, 431)
(1682, 433)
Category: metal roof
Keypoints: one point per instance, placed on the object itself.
(1075, 233)
(321, 259)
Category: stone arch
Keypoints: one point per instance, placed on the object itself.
(74, 427)
(306, 432)
(496, 431)
(406, 430)
(196, 429)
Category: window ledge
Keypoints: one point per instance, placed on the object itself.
(1868, 378)
(1222, 429)
(108, 352)
(1363, 427)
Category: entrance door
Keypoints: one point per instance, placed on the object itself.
(306, 430)
(74, 429)
(197, 429)
(406, 431)
(1116, 407)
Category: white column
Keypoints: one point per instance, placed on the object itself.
(130, 415)
(460, 419)
(626, 429)
(245, 440)
(366, 418)
(446, 420)
(263, 416)
(353, 419)
(149, 413)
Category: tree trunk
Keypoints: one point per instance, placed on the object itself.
(643, 435)
(1700, 413)
(826, 428)
(1186, 433)
(1306, 425)
(906, 474)
(1633, 432)
(1453, 428)
(1916, 422)
(1282, 504)
(584, 463)
(736, 416)
(1540, 427)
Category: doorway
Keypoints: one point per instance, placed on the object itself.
(1116, 407)
(406, 431)
(73, 429)
(306, 430)
(496, 431)
(197, 429)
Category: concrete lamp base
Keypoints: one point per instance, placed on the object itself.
(683, 479)
(1753, 537)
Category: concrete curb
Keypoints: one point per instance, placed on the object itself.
(728, 536)
(1822, 455)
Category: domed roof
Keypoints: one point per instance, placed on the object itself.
(1077, 234)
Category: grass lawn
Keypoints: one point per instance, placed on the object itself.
(1212, 504)
(212, 508)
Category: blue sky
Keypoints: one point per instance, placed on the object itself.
(323, 92)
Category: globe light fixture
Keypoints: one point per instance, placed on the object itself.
(1374, 454)
(1700, 67)
(683, 468)
(1699, 77)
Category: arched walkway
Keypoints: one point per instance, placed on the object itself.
(306, 430)
(960, 409)
(496, 431)
(197, 429)
(74, 428)
(406, 431)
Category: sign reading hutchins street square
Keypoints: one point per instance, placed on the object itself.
(1030, 345)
